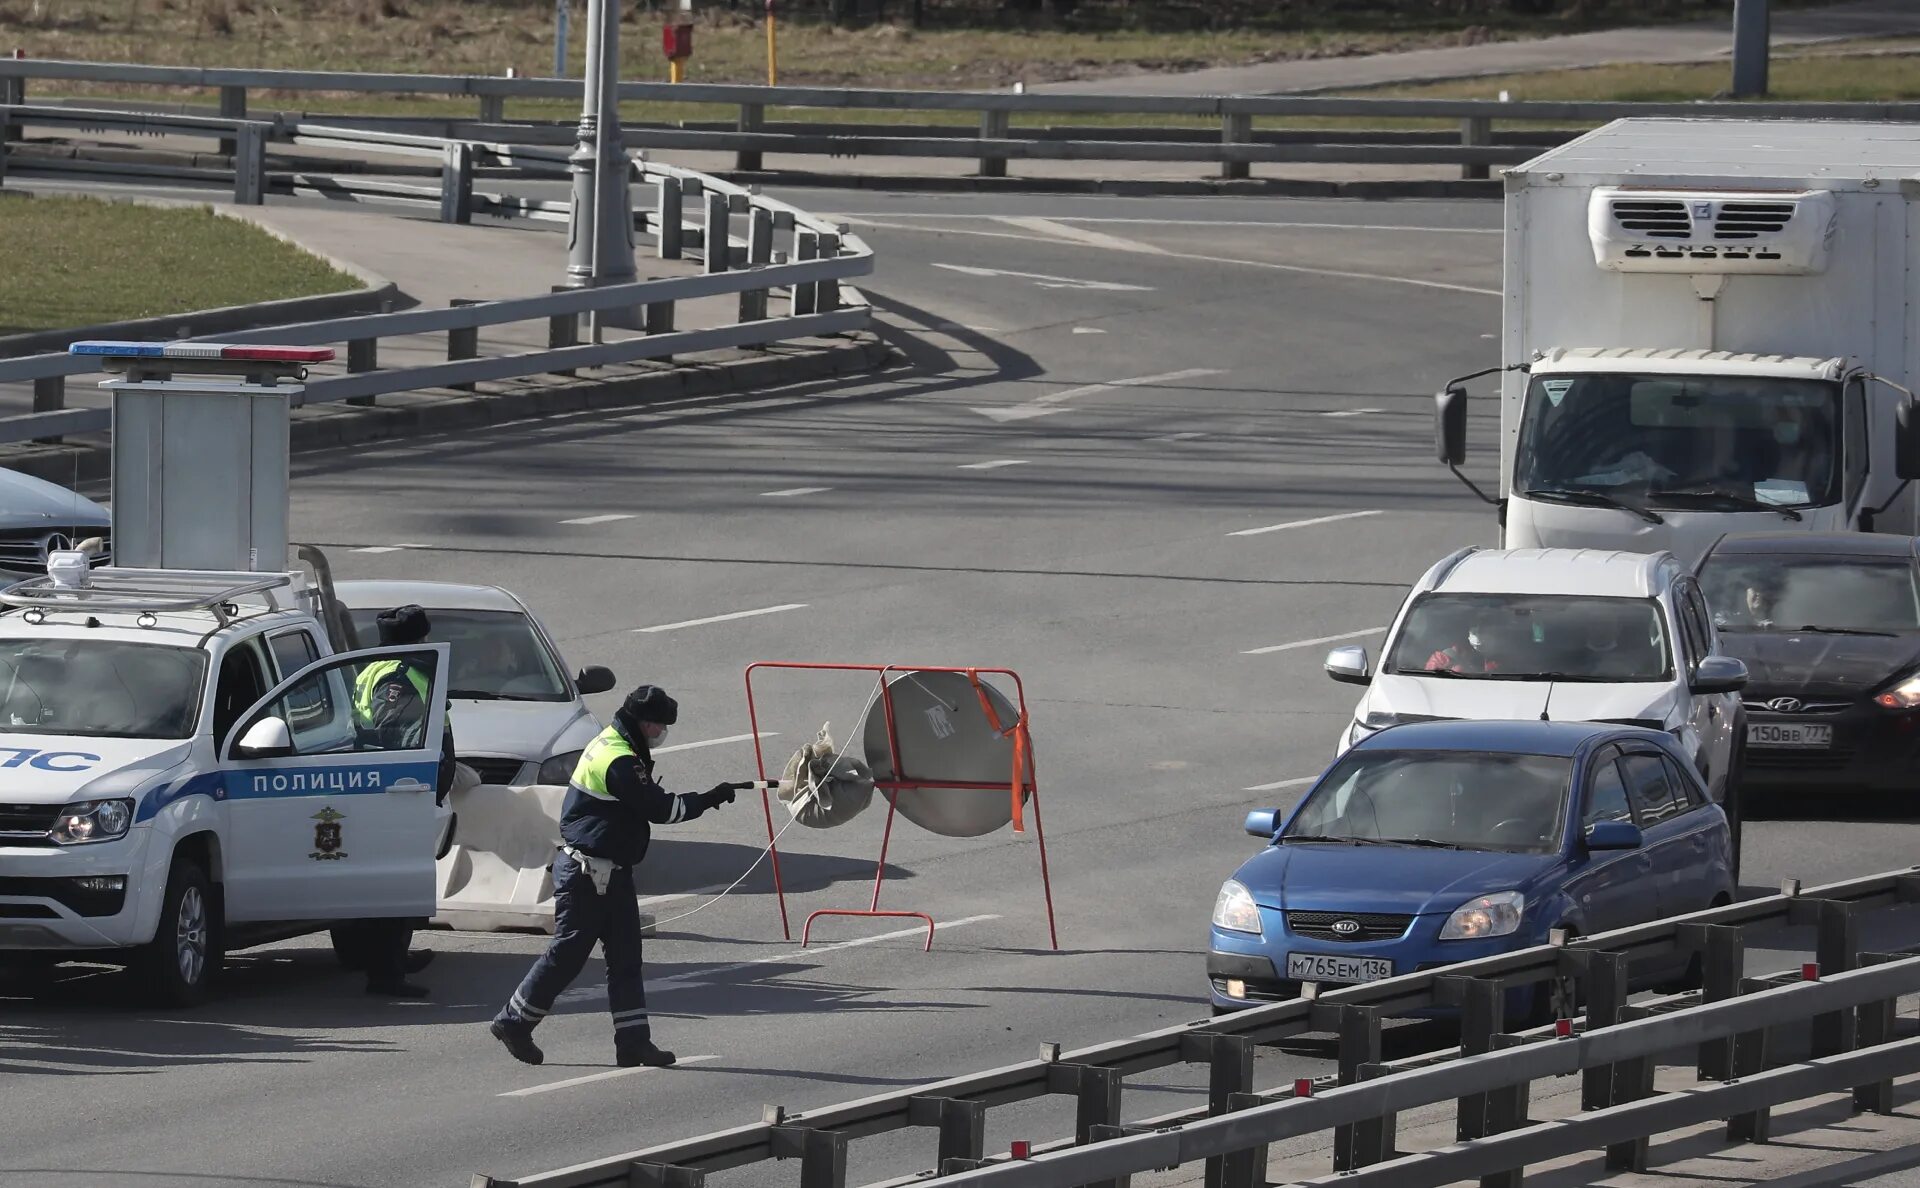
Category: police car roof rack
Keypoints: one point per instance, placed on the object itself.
(149, 592)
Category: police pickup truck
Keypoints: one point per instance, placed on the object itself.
(187, 765)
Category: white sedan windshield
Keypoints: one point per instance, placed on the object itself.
(495, 655)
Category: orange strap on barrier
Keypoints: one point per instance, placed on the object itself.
(1020, 744)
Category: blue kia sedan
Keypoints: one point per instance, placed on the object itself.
(1436, 842)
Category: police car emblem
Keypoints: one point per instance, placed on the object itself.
(326, 836)
(1345, 927)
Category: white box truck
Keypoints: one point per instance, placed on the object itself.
(1710, 326)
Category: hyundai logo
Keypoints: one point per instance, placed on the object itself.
(1786, 705)
(59, 542)
(1345, 927)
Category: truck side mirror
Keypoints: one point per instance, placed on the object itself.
(1906, 443)
(594, 679)
(268, 738)
(1450, 425)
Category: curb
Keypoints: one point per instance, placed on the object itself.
(377, 295)
(336, 424)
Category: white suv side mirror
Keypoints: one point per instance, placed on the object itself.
(268, 738)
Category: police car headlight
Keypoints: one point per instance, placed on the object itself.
(1490, 915)
(559, 769)
(93, 821)
(1235, 910)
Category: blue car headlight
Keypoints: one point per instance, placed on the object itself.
(1490, 915)
(1235, 910)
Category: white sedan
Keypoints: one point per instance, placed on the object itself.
(518, 718)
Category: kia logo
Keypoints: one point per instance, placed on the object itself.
(1786, 705)
(1345, 927)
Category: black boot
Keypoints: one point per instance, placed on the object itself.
(419, 959)
(519, 1041)
(642, 1052)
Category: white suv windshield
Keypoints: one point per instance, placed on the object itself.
(99, 688)
(495, 655)
(1518, 637)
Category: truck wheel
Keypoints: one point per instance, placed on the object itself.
(175, 968)
(350, 947)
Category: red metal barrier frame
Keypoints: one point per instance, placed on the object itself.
(1024, 779)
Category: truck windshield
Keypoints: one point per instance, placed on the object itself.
(1722, 443)
(1522, 637)
(495, 655)
(99, 688)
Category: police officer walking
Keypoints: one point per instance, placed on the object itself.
(612, 800)
(390, 710)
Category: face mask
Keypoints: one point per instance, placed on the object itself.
(654, 740)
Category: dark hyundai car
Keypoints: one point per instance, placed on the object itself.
(1828, 624)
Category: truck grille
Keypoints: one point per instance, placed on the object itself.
(1668, 218)
(26, 823)
(1750, 220)
(1374, 926)
(1655, 218)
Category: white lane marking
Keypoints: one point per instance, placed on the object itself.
(713, 742)
(1352, 412)
(745, 614)
(1307, 643)
(609, 1075)
(943, 215)
(1304, 523)
(1088, 330)
(1099, 239)
(590, 993)
(1048, 282)
(388, 548)
(1046, 406)
(1189, 436)
(790, 492)
(671, 897)
(606, 519)
(994, 465)
(1278, 784)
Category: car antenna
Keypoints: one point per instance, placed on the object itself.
(1546, 703)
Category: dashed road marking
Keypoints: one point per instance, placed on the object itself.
(745, 614)
(791, 492)
(1188, 436)
(1278, 784)
(996, 464)
(609, 1075)
(1304, 523)
(713, 742)
(388, 548)
(1088, 330)
(608, 518)
(1307, 643)
(1352, 412)
(1049, 404)
(1048, 282)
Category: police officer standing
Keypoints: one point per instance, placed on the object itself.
(390, 710)
(612, 800)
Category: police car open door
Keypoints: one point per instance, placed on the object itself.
(330, 790)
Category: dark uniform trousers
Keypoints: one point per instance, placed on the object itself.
(580, 918)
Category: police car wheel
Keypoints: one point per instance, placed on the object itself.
(177, 965)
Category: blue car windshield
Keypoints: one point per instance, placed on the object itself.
(1458, 799)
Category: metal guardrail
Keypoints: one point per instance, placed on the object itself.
(1618, 1070)
(993, 141)
(808, 276)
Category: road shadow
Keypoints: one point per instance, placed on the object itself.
(696, 866)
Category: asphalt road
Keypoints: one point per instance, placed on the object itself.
(1264, 363)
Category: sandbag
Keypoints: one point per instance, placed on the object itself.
(823, 788)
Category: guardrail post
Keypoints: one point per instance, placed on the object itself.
(1507, 1110)
(233, 106)
(806, 246)
(1236, 127)
(1876, 1027)
(363, 354)
(1359, 1046)
(716, 243)
(1723, 952)
(667, 220)
(463, 342)
(823, 1155)
(1482, 1003)
(456, 182)
(753, 302)
(993, 126)
(826, 292)
(963, 1125)
(49, 395)
(664, 1175)
(1373, 1140)
(1245, 1168)
(1476, 132)
(1230, 1071)
(753, 117)
(563, 330)
(1096, 1090)
(1749, 1056)
(13, 92)
(1836, 948)
(493, 109)
(249, 166)
(1606, 999)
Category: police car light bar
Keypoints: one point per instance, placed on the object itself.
(202, 351)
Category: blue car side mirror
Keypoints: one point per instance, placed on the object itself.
(1613, 835)
(1262, 823)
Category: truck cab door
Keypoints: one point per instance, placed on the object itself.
(332, 819)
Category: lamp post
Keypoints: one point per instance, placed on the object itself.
(600, 223)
